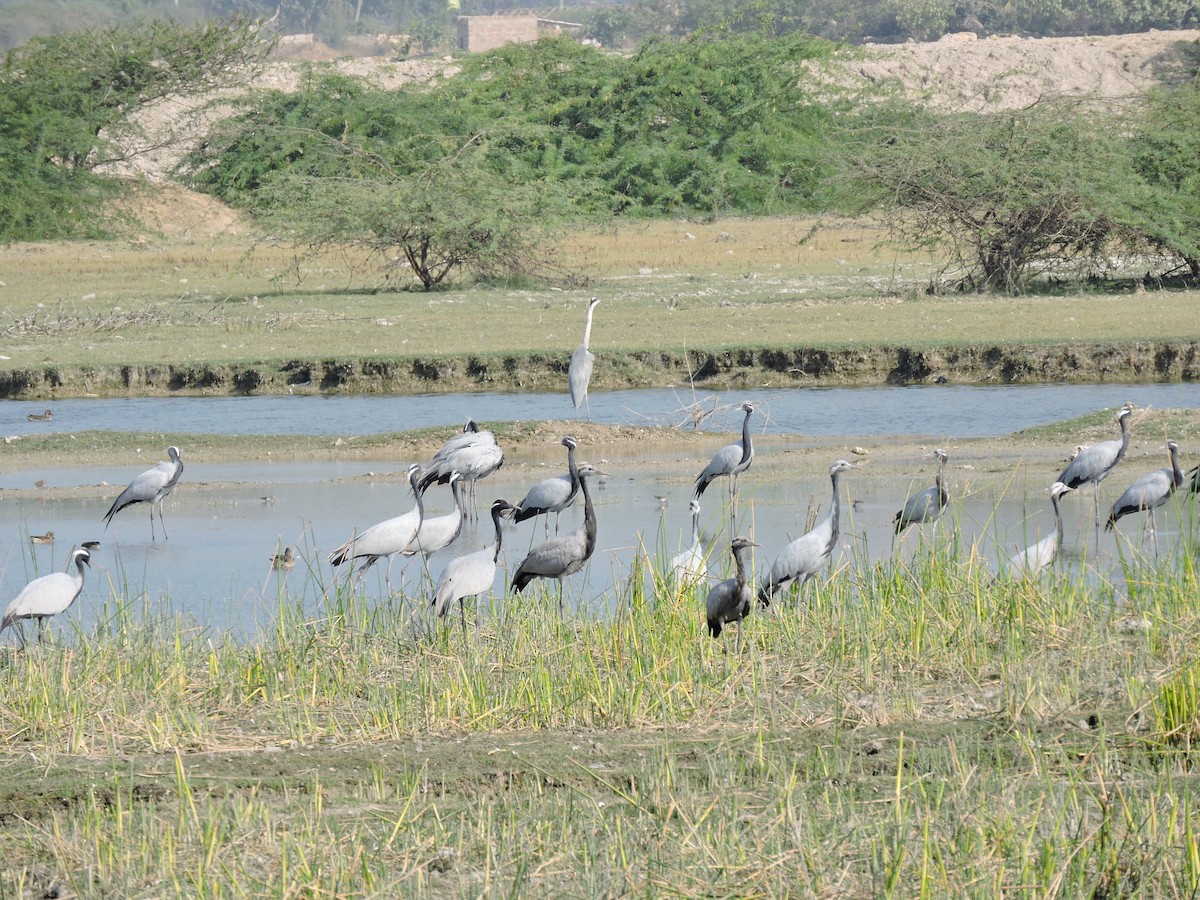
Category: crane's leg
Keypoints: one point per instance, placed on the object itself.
(152, 521)
(41, 629)
(738, 646)
(588, 405)
(1153, 531)
(162, 521)
(462, 611)
(560, 598)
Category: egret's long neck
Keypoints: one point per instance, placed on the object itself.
(587, 329)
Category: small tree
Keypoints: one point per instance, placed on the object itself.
(1005, 197)
(456, 216)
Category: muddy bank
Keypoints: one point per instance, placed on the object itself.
(717, 370)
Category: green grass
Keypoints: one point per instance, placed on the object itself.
(741, 283)
(913, 729)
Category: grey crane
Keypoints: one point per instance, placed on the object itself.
(929, 504)
(579, 370)
(729, 600)
(1148, 493)
(47, 596)
(386, 539)
(731, 460)
(471, 574)
(439, 532)
(1091, 465)
(473, 456)
(152, 487)
(804, 557)
(565, 555)
(1037, 556)
(552, 495)
(689, 567)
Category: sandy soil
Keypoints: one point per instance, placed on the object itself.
(956, 72)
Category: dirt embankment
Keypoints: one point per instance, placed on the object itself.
(723, 370)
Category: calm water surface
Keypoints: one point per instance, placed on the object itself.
(215, 567)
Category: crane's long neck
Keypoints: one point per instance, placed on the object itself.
(413, 480)
(696, 528)
(496, 521)
(587, 329)
(573, 470)
(1176, 472)
(747, 445)
(835, 507)
(1124, 440)
(939, 481)
(740, 561)
(456, 490)
(1058, 522)
(589, 517)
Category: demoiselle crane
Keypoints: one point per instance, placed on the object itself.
(472, 574)
(552, 495)
(152, 487)
(731, 460)
(439, 532)
(47, 596)
(1148, 493)
(1037, 556)
(729, 601)
(929, 504)
(689, 567)
(386, 539)
(1091, 465)
(565, 555)
(804, 557)
(579, 369)
(473, 455)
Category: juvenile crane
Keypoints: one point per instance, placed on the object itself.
(562, 556)
(48, 596)
(579, 370)
(552, 495)
(385, 539)
(929, 504)
(1092, 464)
(472, 574)
(1148, 493)
(729, 600)
(688, 567)
(1037, 556)
(804, 557)
(731, 460)
(152, 487)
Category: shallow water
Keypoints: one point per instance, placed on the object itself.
(215, 568)
(932, 410)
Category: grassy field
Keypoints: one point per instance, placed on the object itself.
(668, 288)
(903, 731)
